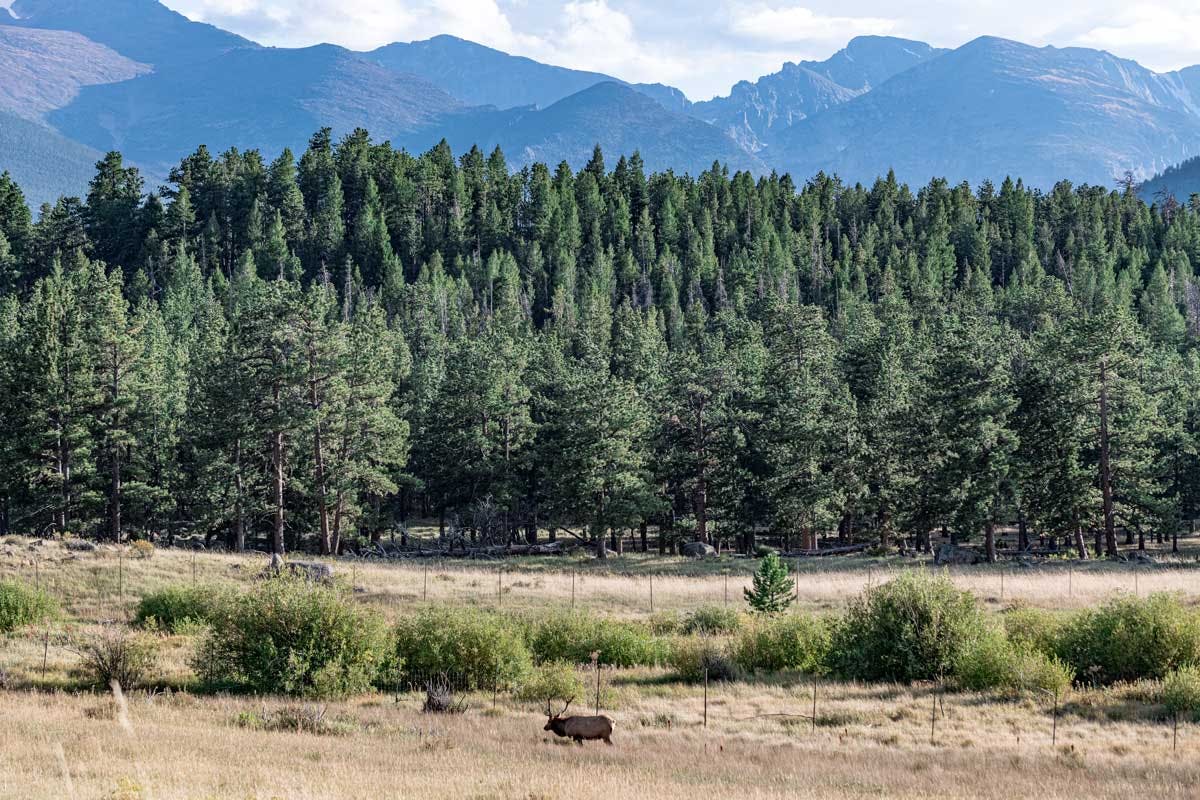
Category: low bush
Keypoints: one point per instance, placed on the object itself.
(791, 641)
(554, 680)
(1129, 638)
(665, 623)
(574, 636)
(294, 719)
(912, 628)
(712, 621)
(140, 548)
(1181, 692)
(286, 636)
(1034, 629)
(995, 663)
(472, 649)
(179, 608)
(22, 605)
(116, 656)
(692, 656)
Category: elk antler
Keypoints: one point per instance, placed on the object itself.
(568, 705)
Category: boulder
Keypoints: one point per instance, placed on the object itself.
(698, 550)
(953, 554)
(80, 546)
(312, 571)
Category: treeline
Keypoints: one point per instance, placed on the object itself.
(309, 352)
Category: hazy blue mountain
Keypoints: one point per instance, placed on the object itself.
(264, 98)
(756, 112)
(45, 164)
(143, 30)
(1181, 181)
(41, 70)
(483, 76)
(994, 108)
(613, 115)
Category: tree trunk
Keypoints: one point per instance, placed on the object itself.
(1022, 532)
(114, 494)
(1081, 544)
(239, 521)
(601, 545)
(277, 488)
(1110, 529)
(319, 464)
(700, 502)
(989, 538)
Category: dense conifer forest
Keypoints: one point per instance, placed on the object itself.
(305, 354)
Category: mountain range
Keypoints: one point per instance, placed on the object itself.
(78, 78)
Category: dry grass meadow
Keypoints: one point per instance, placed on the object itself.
(59, 741)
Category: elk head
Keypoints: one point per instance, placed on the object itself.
(552, 718)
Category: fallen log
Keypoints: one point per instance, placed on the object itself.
(830, 551)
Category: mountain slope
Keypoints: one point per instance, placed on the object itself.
(41, 70)
(994, 108)
(617, 117)
(483, 76)
(45, 164)
(262, 98)
(755, 113)
(1180, 181)
(143, 30)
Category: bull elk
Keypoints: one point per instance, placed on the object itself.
(578, 728)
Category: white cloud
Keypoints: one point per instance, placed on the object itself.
(705, 46)
(798, 24)
(357, 24)
(1160, 36)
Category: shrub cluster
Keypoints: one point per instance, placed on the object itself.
(554, 680)
(693, 656)
(712, 621)
(472, 649)
(116, 656)
(913, 628)
(1130, 638)
(1181, 692)
(286, 636)
(574, 636)
(179, 607)
(22, 605)
(995, 662)
(786, 642)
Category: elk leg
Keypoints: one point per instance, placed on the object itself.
(608, 741)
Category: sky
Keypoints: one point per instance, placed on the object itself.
(705, 46)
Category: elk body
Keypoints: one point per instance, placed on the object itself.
(578, 728)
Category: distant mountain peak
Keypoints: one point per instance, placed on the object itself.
(143, 30)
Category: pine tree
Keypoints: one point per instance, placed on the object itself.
(771, 590)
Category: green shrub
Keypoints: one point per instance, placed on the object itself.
(22, 605)
(294, 719)
(1129, 638)
(912, 628)
(554, 680)
(1181, 692)
(712, 621)
(286, 636)
(692, 655)
(574, 636)
(792, 641)
(1034, 629)
(993, 662)
(665, 623)
(178, 608)
(115, 655)
(472, 649)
